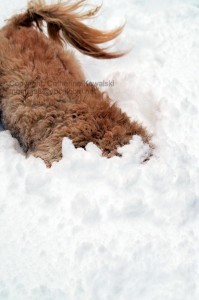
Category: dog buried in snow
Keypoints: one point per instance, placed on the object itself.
(44, 95)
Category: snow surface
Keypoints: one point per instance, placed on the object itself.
(92, 228)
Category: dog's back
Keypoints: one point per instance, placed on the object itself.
(43, 93)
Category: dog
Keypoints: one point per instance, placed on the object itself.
(44, 95)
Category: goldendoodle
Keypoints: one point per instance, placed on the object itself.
(44, 95)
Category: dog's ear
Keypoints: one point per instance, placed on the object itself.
(64, 24)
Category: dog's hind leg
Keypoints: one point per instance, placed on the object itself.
(49, 151)
(120, 135)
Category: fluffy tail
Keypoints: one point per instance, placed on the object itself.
(64, 25)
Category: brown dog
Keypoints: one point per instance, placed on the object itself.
(43, 93)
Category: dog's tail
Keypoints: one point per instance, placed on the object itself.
(64, 25)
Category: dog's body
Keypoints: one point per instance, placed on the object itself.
(43, 93)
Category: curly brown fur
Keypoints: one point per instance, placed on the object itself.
(39, 114)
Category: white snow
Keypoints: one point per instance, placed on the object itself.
(92, 228)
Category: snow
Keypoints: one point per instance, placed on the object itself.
(92, 228)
